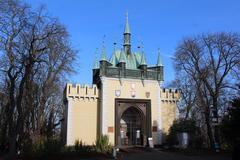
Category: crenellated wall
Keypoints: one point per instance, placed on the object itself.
(81, 92)
(170, 95)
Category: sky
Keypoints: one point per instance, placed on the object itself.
(157, 23)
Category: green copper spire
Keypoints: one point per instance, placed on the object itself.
(103, 57)
(127, 37)
(159, 60)
(127, 29)
(122, 57)
(143, 59)
(96, 63)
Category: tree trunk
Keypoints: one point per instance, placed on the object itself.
(216, 128)
(209, 128)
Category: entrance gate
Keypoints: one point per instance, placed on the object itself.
(131, 127)
(132, 122)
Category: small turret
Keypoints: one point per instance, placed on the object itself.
(143, 59)
(103, 56)
(159, 60)
(159, 67)
(143, 64)
(96, 63)
(103, 61)
(122, 64)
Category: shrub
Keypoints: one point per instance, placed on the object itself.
(79, 146)
(43, 148)
(188, 126)
(229, 127)
(102, 144)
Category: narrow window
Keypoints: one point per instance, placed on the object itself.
(68, 89)
(86, 90)
(77, 89)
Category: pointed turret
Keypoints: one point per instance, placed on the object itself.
(159, 67)
(122, 64)
(127, 45)
(143, 59)
(103, 56)
(143, 64)
(122, 57)
(159, 60)
(96, 63)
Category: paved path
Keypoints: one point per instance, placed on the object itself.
(163, 155)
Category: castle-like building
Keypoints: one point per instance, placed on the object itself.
(125, 102)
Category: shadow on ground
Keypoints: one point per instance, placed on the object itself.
(156, 154)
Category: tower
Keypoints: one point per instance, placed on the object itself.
(127, 35)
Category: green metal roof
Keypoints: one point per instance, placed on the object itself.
(96, 64)
(132, 61)
(122, 57)
(143, 59)
(103, 57)
(159, 61)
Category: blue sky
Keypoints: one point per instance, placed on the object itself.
(159, 24)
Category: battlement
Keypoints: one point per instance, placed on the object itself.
(78, 91)
(170, 95)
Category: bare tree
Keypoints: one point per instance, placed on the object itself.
(187, 104)
(35, 55)
(208, 60)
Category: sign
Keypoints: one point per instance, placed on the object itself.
(154, 128)
(150, 142)
(110, 129)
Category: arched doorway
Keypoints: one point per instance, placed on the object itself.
(132, 120)
(131, 127)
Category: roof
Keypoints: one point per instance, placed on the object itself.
(132, 61)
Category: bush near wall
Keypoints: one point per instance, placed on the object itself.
(43, 148)
(189, 126)
(102, 144)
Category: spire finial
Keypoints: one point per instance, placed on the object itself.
(103, 57)
(115, 41)
(138, 46)
(143, 59)
(103, 41)
(159, 60)
(127, 29)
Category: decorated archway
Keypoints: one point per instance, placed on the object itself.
(131, 127)
(132, 122)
